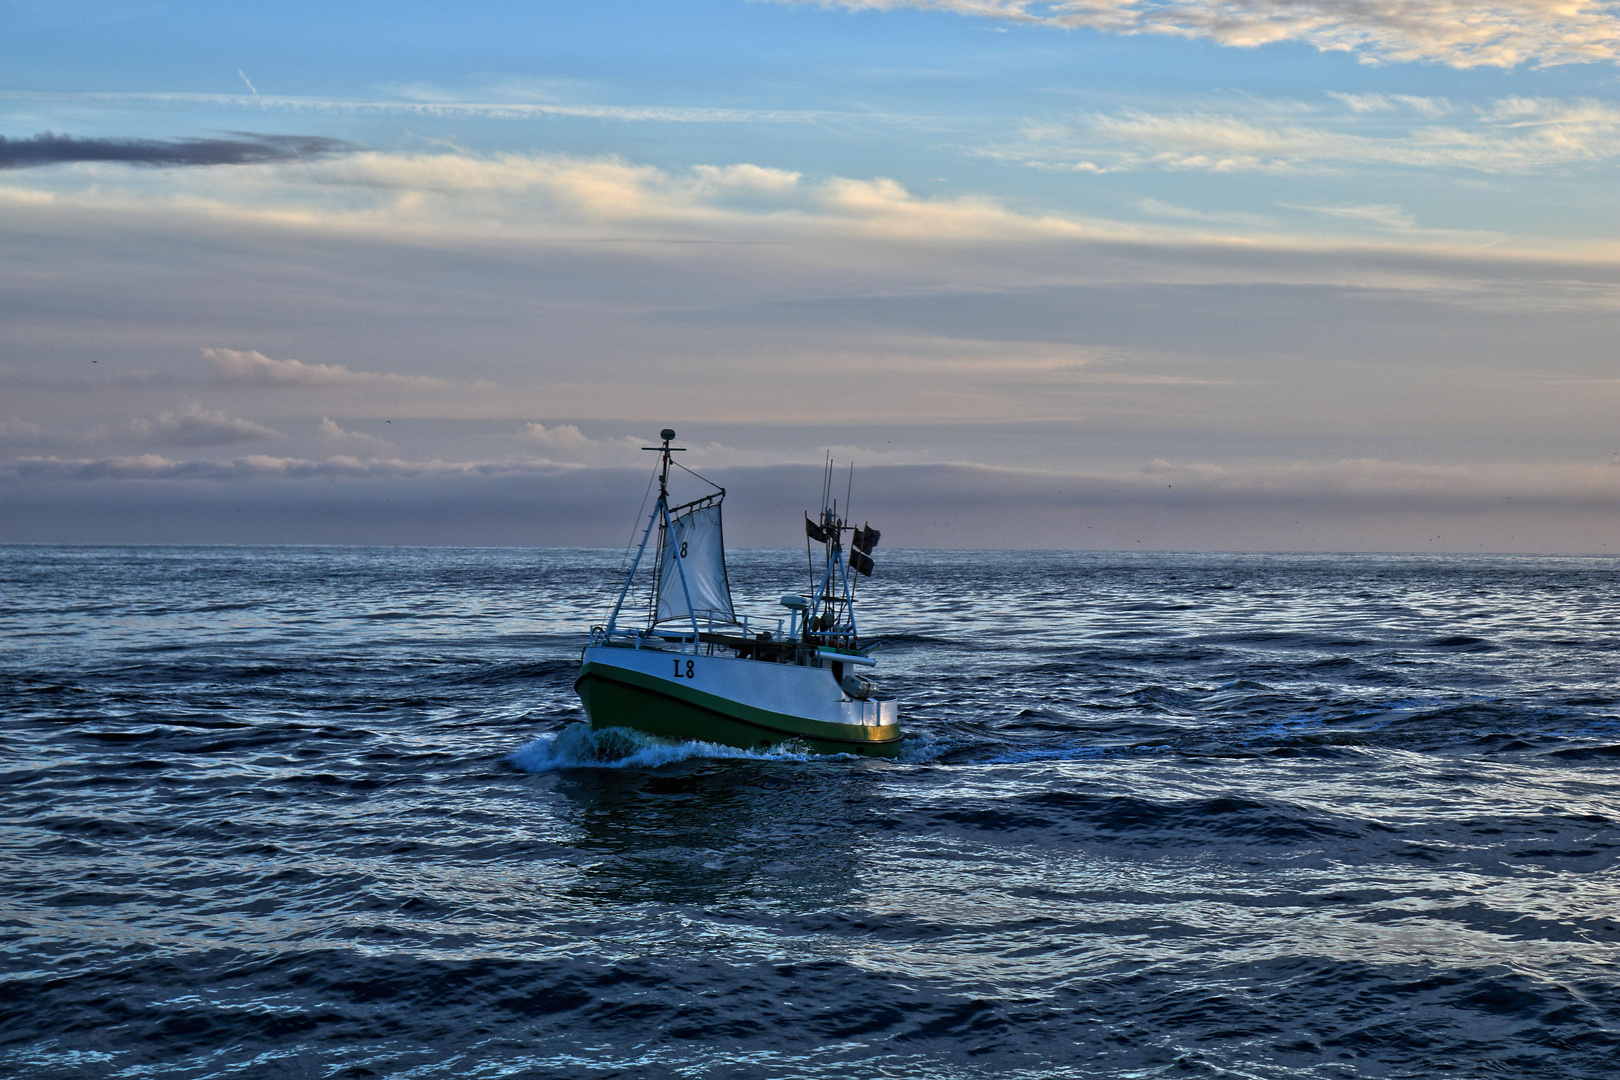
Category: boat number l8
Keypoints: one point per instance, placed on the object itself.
(689, 674)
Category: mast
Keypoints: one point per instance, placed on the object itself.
(676, 525)
(660, 512)
(831, 621)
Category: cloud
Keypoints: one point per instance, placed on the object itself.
(599, 188)
(566, 444)
(1373, 484)
(459, 198)
(727, 179)
(329, 432)
(194, 427)
(508, 197)
(1458, 33)
(885, 207)
(559, 436)
(1389, 103)
(1511, 135)
(200, 427)
(504, 87)
(1349, 505)
(48, 148)
(1382, 215)
(1366, 483)
(255, 467)
(14, 430)
(252, 368)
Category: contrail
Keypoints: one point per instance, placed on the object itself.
(294, 149)
(1499, 240)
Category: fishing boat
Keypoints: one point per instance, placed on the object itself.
(693, 668)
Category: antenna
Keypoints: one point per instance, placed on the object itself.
(826, 487)
(668, 435)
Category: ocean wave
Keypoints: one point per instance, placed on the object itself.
(1284, 834)
(579, 746)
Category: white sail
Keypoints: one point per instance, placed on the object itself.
(694, 545)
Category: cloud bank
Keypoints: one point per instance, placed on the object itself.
(250, 368)
(1338, 506)
(732, 290)
(1372, 131)
(1364, 484)
(197, 426)
(449, 197)
(48, 148)
(1458, 33)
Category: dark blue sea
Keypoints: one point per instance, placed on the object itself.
(331, 812)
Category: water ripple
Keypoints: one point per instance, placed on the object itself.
(332, 812)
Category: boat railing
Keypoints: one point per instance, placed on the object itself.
(837, 637)
(750, 628)
(713, 629)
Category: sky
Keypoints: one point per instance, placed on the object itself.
(1091, 274)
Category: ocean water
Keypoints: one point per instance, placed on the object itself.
(306, 812)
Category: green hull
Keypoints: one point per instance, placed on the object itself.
(616, 697)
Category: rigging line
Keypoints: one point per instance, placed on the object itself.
(809, 563)
(848, 490)
(700, 476)
(637, 524)
(656, 578)
(289, 144)
(821, 511)
(826, 485)
(851, 582)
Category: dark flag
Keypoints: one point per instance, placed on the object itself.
(814, 531)
(865, 538)
(860, 562)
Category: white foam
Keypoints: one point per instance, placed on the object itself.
(579, 746)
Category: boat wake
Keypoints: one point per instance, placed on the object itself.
(579, 746)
